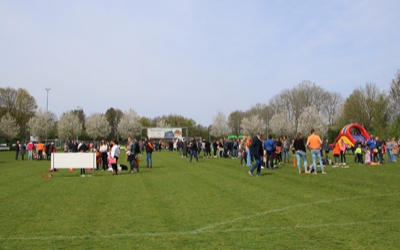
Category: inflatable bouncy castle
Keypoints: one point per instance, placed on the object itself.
(352, 133)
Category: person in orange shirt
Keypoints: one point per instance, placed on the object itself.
(248, 144)
(40, 147)
(336, 152)
(314, 142)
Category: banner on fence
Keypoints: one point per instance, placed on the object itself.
(164, 133)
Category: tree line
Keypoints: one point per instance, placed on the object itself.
(298, 109)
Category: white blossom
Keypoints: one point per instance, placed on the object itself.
(219, 125)
(69, 126)
(311, 118)
(41, 123)
(253, 124)
(129, 124)
(280, 124)
(9, 127)
(97, 126)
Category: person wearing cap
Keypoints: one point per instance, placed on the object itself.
(257, 152)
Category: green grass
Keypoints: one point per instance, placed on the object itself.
(213, 204)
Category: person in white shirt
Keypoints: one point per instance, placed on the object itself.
(114, 155)
(103, 153)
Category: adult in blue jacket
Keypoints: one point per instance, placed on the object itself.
(270, 146)
(257, 152)
(371, 143)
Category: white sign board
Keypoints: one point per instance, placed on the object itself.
(164, 133)
(73, 160)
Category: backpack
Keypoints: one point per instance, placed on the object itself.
(150, 146)
(136, 148)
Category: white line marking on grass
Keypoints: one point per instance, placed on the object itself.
(136, 235)
(287, 208)
(207, 228)
(302, 227)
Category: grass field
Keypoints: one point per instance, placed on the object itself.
(212, 204)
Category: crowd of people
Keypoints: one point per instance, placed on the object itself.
(255, 152)
(39, 151)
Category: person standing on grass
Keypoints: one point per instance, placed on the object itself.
(132, 153)
(379, 146)
(40, 148)
(114, 154)
(22, 150)
(389, 149)
(193, 149)
(215, 147)
(243, 152)
(16, 150)
(208, 149)
(371, 143)
(248, 145)
(285, 149)
(149, 151)
(358, 152)
(300, 149)
(314, 142)
(30, 150)
(342, 147)
(184, 148)
(326, 148)
(395, 150)
(257, 152)
(103, 154)
(270, 146)
(336, 153)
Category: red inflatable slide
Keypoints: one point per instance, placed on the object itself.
(352, 133)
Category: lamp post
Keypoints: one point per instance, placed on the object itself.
(47, 108)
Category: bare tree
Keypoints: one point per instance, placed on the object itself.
(234, 120)
(69, 126)
(253, 124)
(41, 123)
(369, 107)
(97, 126)
(333, 102)
(311, 118)
(129, 124)
(113, 118)
(306, 94)
(280, 124)
(8, 100)
(219, 125)
(8, 128)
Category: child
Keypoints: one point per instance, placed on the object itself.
(326, 148)
(98, 158)
(336, 153)
(367, 156)
(359, 154)
(137, 163)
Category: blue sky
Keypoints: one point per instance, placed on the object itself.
(193, 58)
